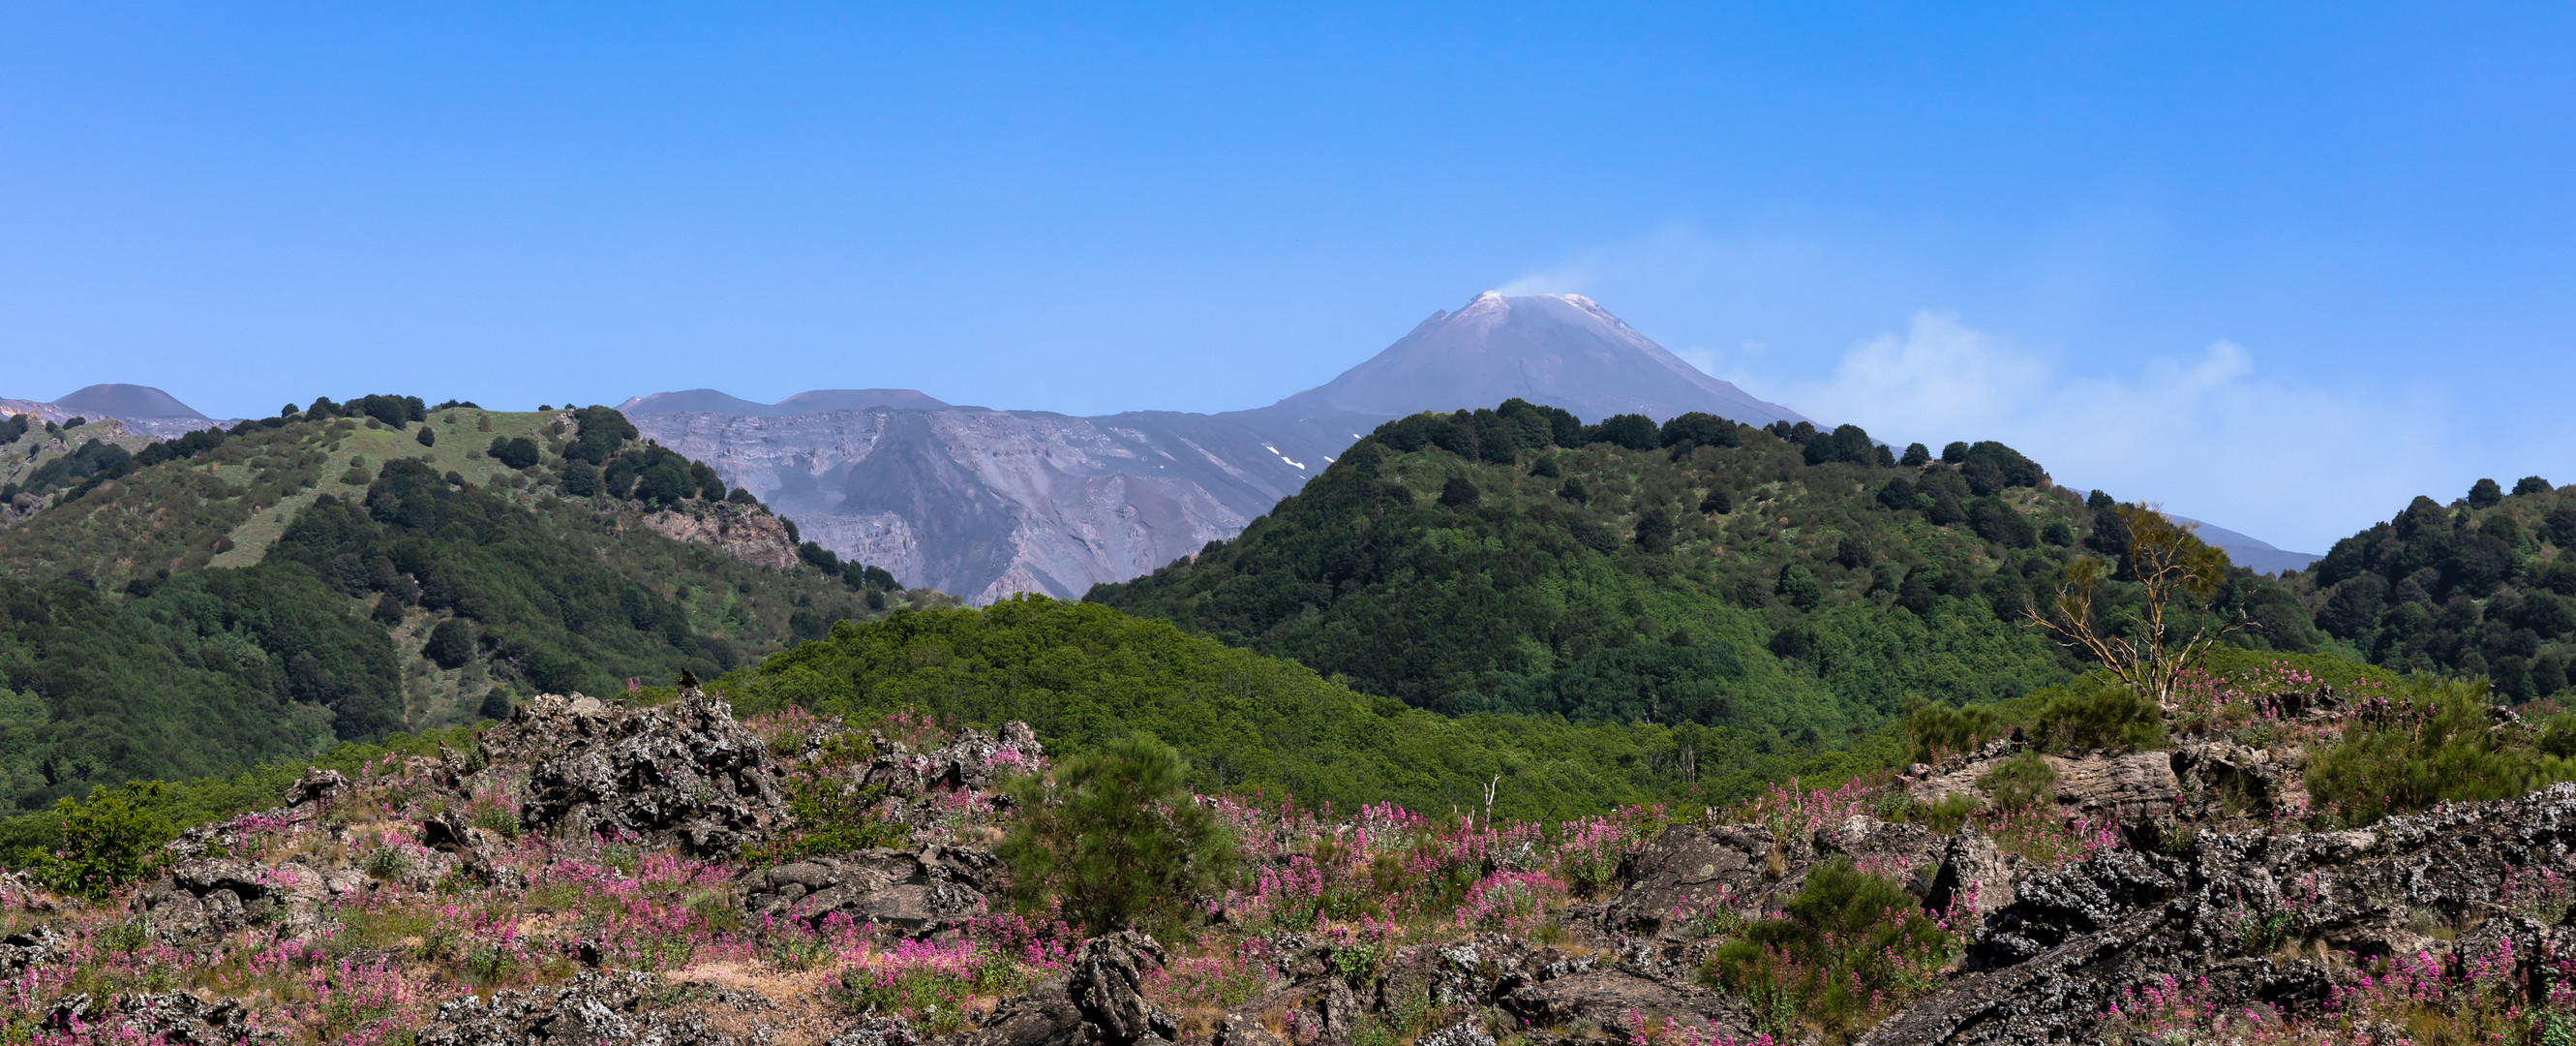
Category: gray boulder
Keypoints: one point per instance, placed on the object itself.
(918, 891)
(682, 774)
(593, 1009)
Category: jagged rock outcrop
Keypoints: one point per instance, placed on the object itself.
(595, 1009)
(1686, 871)
(1606, 998)
(318, 785)
(878, 1030)
(2259, 916)
(201, 900)
(169, 1018)
(32, 947)
(683, 773)
(973, 760)
(19, 893)
(745, 532)
(917, 891)
(2132, 787)
(1100, 1000)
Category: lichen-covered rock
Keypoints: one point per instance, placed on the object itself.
(171, 1018)
(1460, 1034)
(878, 1030)
(594, 1009)
(918, 891)
(973, 760)
(1236, 1029)
(33, 948)
(1107, 983)
(1099, 1001)
(198, 901)
(2133, 787)
(19, 893)
(1684, 871)
(684, 773)
(2216, 913)
(318, 785)
(1972, 872)
(1687, 872)
(1608, 998)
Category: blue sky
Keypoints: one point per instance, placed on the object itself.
(2279, 269)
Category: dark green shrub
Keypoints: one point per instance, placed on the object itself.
(1654, 531)
(603, 430)
(1698, 428)
(428, 436)
(107, 841)
(1845, 443)
(450, 644)
(517, 452)
(2000, 523)
(1852, 947)
(2558, 738)
(1458, 493)
(1117, 841)
(1799, 586)
(1632, 431)
(580, 478)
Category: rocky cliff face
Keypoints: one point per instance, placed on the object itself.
(985, 503)
(989, 503)
(742, 531)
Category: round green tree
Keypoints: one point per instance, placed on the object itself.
(1116, 841)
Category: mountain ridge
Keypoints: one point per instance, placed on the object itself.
(985, 503)
(145, 410)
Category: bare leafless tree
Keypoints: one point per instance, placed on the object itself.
(2183, 577)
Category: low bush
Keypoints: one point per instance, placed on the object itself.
(2022, 781)
(2101, 716)
(106, 842)
(1851, 948)
(1935, 730)
(2428, 742)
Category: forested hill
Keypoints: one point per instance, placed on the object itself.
(1794, 584)
(343, 571)
(2481, 586)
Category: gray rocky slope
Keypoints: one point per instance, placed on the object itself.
(985, 503)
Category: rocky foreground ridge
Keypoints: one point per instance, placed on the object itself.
(595, 872)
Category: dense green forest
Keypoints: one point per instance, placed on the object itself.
(1084, 674)
(1796, 585)
(343, 571)
(2482, 586)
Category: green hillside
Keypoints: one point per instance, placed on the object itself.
(2483, 586)
(1083, 674)
(1793, 584)
(344, 571)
